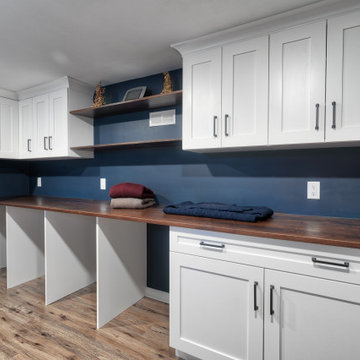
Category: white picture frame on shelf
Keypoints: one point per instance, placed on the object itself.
(134, 93)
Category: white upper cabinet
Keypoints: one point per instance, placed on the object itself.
(202, 100)
(245, 93)
(284, 82)
(41, 118)
(58, 124)
(226, 96)
(47, 130)
(9, 128)
(343, 78)
(297, 85)
(50, 116)
(27, 129)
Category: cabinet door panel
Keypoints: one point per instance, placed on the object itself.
(58, 123)
(27, 128)
(202, 100)
(297, 84)
(9, 120)
(313, 318)
(41, 118)
(343, 78)
(212, 308)
(245, 93)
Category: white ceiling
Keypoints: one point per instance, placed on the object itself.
(110, 40)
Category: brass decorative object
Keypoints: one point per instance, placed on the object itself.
(99, 98)
(168, 87)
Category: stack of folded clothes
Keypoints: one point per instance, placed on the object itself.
(220, 211)
(131, 196)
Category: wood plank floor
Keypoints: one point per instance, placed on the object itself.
(67, 328)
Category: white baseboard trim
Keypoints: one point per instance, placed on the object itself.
(185, 356)
(157, 295)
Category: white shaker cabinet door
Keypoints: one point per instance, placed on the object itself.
(212, 308)
(41, 118)
(245, 93)
(297, 84)
(27, 128)
(9, 128)
(313, 319)
(343, 78)
(202, 100)
(58, 123)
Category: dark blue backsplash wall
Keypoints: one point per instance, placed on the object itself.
(14, 178)
(272, 178)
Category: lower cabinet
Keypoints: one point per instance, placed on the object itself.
(310, 318)
(246, 301)
(216, 308)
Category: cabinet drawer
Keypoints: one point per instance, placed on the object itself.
(328, 262)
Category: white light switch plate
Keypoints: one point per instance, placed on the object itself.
(102, 183)
(313, 190)
(39, 182)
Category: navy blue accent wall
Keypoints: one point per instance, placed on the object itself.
(272, 178)
(14, 179)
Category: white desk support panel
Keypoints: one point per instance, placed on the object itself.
(24, 245)
(121, 266)
(70, 254)
(2, 237)
(73, 251)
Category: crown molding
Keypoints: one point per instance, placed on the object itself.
(8, 94)
(64, 82)
(319, 11)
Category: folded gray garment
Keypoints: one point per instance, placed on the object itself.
(131, 203)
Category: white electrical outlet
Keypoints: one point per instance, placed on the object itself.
(102, 183)
(39, 182)
(313, 190)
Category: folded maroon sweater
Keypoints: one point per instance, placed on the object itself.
(130, 190)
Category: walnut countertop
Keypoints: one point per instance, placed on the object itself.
(311, 229)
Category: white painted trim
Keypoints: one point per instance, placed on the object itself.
(44, 88)
(80, 86)
(185, 356)
(157, 295)
(41, 89)
(8, 94)
(64, 82)
(313, 12)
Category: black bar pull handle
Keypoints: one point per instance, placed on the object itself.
(28, 145)
(256, 307)
(50, 142)
(333, 126)
(214, 126)
(45, 140)
(272, 312)
(226, 125)
(203, 243)
(317, 106)
(344, 264)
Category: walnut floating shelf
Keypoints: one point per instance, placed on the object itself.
(133, 144)
(145, 103)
